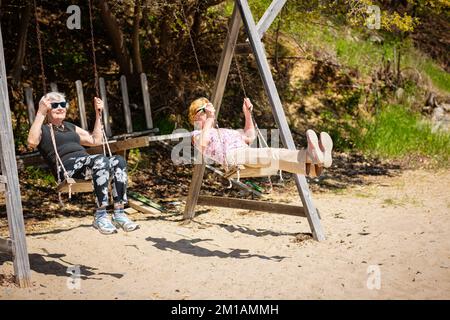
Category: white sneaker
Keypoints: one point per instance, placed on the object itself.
(121, 220)
(103, 224)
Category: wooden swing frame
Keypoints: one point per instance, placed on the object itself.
(9, 185)
(242, 13)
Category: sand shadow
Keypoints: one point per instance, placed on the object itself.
(47, 264)
(57, 231)
(187, 246)
(252, 232)
(173, 216)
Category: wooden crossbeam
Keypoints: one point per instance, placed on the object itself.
(269, 16)
(254, 205)
(134, 134)
(263, 25)
(122, 145)
(172, 136)
(35, 159)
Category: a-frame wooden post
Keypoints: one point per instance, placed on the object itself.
(278, 112)
(216, 98)
(10, 181)
(269, 16)
(242, 12)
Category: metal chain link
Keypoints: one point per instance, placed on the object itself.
(41, 59)
(94, 60)
(191, 40)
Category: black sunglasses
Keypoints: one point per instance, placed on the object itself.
(202, 108)
(55, 105)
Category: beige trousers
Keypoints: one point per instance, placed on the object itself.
(280, 159)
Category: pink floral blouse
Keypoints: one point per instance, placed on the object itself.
(219, 146)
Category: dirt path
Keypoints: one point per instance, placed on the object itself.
(398, 226)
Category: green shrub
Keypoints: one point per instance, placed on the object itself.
(39, 176)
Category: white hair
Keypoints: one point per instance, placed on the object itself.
(55, 96)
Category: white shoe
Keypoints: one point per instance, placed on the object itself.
(314, 154)
(104, 225)
(121, 220)
(326, 146)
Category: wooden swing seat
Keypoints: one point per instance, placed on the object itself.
(250, 172)
(79, 187)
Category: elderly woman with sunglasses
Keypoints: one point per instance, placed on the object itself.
(70, 140)
(232, 147)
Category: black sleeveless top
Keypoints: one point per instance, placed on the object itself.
(67, 144)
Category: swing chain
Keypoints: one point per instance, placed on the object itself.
(39, 41)
(96, 80)
(94, 60)
(194, 50)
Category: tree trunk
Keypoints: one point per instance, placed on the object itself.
(196, 26)
(116, 37)
(16, 71)
(137, 61)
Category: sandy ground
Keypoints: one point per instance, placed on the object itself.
(397, 228)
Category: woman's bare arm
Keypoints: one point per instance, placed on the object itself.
(89, 139)
(95, 138)
(35, 133)
(204, 137)
(249, 134)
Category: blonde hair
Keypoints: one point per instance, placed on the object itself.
(195, 105)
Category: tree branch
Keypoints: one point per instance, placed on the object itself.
(137, 61)
(116, 37)
(16, 71)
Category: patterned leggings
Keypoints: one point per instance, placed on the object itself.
(101, 169)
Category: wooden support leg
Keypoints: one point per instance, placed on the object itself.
(12, 194)
(269, 16)
(278, 112)
(219, 88)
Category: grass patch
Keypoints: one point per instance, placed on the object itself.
(438, 76)
(354, 49)
(362, 55)
(363, 195)
(396, 132)
(389, 202)
(339, 191)
(402, 202)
